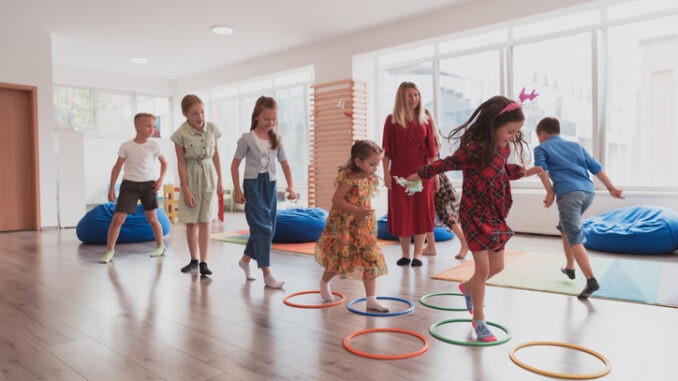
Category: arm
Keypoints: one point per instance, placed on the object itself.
(163, 170)
(217, 166)
(550, 194)
(183, 179)
(386, 163)
(436, 179)
(614, 191)
(235, 177)
(339, 201)
(291, 195)
(115, 172)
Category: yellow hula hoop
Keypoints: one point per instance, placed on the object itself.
(588, 376)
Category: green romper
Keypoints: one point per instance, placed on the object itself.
(200, 172)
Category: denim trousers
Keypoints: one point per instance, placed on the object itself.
(260, 210)
(571, 206)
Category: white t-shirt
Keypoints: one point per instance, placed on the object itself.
(265, 148)
(139, 160)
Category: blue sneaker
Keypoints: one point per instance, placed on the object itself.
(467, 297)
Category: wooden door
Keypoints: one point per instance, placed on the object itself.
(19, 189)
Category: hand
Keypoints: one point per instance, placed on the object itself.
(364, 212)
(157, 184)
(291, 194)
(436, 183)
(111, 195)
(548, 200)
(616, 193)
(415, 177)
(388, 181)
(238, 197)
(188, 198)
(533, 171)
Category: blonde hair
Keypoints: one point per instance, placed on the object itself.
(399, 115)
(265, 102)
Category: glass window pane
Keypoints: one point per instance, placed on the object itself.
(557, 24)
(293, 127)
(225, 115)
(405, 56)
(641, 122)
(465, 82)
(73, 108)
(113, 113)
(560, 70)
(473, 42)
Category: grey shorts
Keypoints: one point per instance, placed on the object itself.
(571, 206)
(131, 191)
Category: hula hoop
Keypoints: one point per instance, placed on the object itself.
(324, 305)
(396, 313)
(348, 346)
(469, 343)
(423, 301)
(588, 376)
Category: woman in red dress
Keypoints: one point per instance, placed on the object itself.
(409, 143)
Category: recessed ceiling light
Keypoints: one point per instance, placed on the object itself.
(223, 30)
(138, 60)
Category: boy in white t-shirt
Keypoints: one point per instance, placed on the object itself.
(138, 156)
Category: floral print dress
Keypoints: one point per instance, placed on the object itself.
(348, 245)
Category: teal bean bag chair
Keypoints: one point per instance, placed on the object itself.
(93, 227)
(641, 229)
(299, 225)
(439, 233)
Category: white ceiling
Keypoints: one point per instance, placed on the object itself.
(175, 36)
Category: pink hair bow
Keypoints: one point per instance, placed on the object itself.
(516, 105)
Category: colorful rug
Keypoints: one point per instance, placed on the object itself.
(241, 237)
(632, 280)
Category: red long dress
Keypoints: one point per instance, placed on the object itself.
(408, 149)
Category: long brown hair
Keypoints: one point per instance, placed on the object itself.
(481, 126)
(262, 103)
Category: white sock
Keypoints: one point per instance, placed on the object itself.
(326, 291)
(373, 304)
(271, 282)
(245, 266)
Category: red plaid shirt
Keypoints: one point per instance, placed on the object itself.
(486, 194)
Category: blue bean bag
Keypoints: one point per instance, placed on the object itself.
(93, 227)
(641, 229)
(439, 233)
(299, 225)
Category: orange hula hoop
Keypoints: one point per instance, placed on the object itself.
(342, 298)
(347, 344)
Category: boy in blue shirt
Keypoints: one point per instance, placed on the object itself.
(568, 165)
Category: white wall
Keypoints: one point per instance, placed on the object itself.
(27, 60)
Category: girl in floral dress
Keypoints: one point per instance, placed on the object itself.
(348, 245)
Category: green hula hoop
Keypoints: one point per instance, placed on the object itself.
(423, 301)
(438, 336)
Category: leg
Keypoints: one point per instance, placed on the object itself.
(582, 258)
(484, 268)
(152, 218)
(371, 302)
(112, 237)
(418, 247)
(430, 248)
(405, 248)
(463, 250)
(244, 264)
(192, 240)
(325, 290)
(204, 244)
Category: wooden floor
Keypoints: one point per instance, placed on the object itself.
(63, 316)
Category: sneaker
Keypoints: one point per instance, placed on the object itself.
(190, 266)
(483, 332)
(568, 272)
(107, 257)
(204, 270)
(158, 252)
(591, 287)
(467, 297)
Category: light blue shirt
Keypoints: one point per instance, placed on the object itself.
(568, 165)
(249, 150)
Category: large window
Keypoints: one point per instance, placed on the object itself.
(608, 73)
